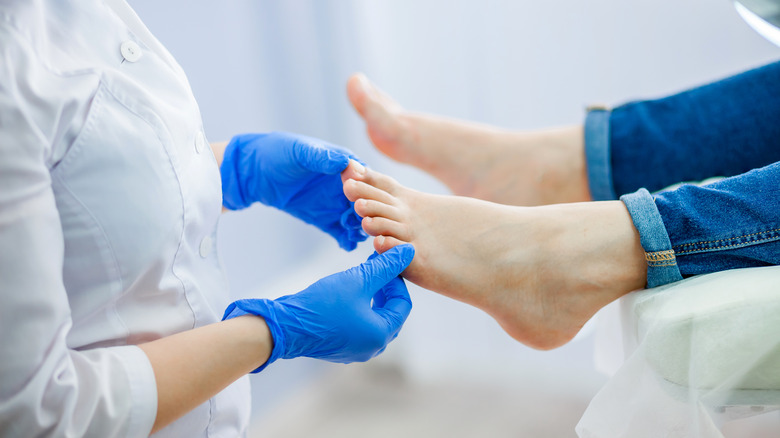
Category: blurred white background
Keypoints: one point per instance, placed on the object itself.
(258, 65)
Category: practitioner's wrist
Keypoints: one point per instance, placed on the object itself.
(254, 334)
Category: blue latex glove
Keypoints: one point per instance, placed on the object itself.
(296, 174)
(334, 319)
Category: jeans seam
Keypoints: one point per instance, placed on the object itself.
(660, 265)
(657, 256)
(722, 247)
(659, 259)
(683, 251)
(724, 240)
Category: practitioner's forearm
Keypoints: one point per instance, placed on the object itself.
(193, 366)
(219, 150)
(219, 153)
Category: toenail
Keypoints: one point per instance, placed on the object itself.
(365, 84)
(359, 168)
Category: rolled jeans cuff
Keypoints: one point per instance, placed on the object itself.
(597, 155)
(661, 261)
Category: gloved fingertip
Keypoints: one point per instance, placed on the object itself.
(346, 244)
(406, 252)
(349, 238)
(402, 255)
(338, 162)
(326, 160)
(351, 223)
(318, 156)
(350, 219)
(357, 235)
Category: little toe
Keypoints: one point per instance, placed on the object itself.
(376, 226)
(371, 208)
(355, 190)
(384, 243)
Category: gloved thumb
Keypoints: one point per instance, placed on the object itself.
(379, 270)
(317, 157)
(394, 303)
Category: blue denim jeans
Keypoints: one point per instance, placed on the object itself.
(729, 129)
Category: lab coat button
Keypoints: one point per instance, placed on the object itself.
(131, 51)
(200, 142)
(205, 247)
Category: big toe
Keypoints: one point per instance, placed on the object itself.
(357, 91)
(354, 170)
(377, 108)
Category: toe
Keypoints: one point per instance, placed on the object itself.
(354, 171)
(371, 208)
(380, 181)
(355, 190)
(376, 226)
(384, 243)
(368, 100)
(356, 91)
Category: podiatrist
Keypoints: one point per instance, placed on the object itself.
(114, 314)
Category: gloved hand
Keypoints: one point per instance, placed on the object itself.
(296, 174)
(334, 319)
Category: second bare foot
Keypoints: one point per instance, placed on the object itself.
(480, 161)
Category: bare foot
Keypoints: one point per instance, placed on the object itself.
(515, 168)
(541, 272)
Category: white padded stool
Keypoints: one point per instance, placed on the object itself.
(698, 353)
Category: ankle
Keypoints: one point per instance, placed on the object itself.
(605, 253)
(559, 157)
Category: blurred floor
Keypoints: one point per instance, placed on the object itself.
(376, 400)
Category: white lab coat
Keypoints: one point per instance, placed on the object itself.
(109, 202)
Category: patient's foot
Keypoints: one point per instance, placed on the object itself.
(541, 272)
(515, 168)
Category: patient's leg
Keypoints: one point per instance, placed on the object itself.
(541, 272)
(516, 168)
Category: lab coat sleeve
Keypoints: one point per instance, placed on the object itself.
(47, 389)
